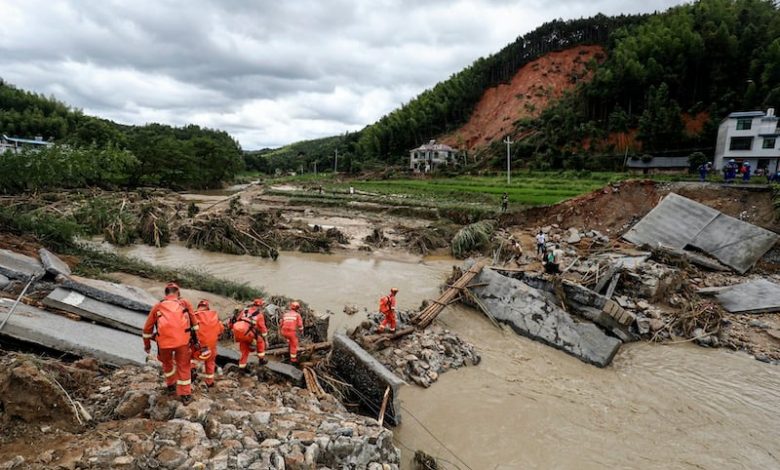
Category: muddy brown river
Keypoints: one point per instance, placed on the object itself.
(527, 406)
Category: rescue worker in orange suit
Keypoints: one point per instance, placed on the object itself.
(172, 324)
(209, 330)
(387, 307)
(248, 328)
(290, 326)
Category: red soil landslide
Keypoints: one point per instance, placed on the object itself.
(531, 89)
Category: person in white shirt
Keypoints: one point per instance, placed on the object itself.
(540, 243)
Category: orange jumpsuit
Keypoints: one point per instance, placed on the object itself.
(173, 319)
(387, 307)
(292, 323)
(247, 328)
(209, 329)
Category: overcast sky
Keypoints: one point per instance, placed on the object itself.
(269, 72)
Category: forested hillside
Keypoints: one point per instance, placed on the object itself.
(696, 62)
(94, 151)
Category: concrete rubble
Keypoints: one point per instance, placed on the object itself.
(241, 423)
(533, 313)
(423, 355)
(20, 267)
(757, 296)
(366, 374)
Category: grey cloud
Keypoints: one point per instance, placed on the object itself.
(267, 71)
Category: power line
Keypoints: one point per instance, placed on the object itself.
(436, 438)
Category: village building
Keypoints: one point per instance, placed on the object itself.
(15, 144)
(751, 137)
(431, 156)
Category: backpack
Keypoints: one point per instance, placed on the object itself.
(244, 327)
(173, 324)
(550, 257)
(384, 304)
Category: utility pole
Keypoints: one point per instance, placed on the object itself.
(315, 169)
(336, 162)
(508, 143)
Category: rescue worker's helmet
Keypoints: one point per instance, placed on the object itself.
(258, 302)
(394, 290)
(203, 303)
(171, 287)
(295, 306)
(204, 353)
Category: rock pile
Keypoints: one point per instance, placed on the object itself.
(420, 357)
(240, 423)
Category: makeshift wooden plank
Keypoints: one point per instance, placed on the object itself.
(427, 315)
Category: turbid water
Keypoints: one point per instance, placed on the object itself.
(528, 406)
(326, 282)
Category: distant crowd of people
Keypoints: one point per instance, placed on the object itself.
(732, 169)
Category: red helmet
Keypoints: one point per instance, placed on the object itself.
(204, 353)
(171, 287)
(295, 306)
(203, 303)
(258, 302)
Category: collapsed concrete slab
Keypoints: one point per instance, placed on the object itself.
(759, 296)
(39, 327)
(678, 222)
(530, 313)
(53, 264)
(120, 318)
(369, 377)
(287, 372)
(587, 303)
(20, 267)
(129, 297)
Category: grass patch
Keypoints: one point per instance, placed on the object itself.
(97, 264)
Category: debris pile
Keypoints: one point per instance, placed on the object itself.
(125, 419)
(422, 355)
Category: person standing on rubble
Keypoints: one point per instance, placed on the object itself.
(249, 331)
(172, 324)
(387, 308)
(209, 330)
(541, 242)
(291, 326)
(504, 203)
(557, 259)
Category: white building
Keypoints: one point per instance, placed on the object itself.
(16, 145)
(428, 157)
(749, 137)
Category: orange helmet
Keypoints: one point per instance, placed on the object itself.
(394, 290)
(203, 303)
(258, 302)
(171, 287)
(295, 306)
(204, 353)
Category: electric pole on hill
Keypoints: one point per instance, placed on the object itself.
(336, 162)
(508, 143)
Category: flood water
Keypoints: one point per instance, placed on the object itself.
(528, 406)
(325, 282)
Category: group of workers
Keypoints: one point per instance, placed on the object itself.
(551, 257)
(186, 337)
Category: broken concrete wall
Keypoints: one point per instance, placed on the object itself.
(129, 297)
(586, 302)
(678, 222)
(530, 313)
(369, 377)
(20, 267)
(758, 296)
(53, 264)
(36, 326)
(131, 321)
